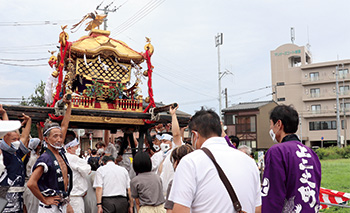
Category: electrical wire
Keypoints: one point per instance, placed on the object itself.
(33, 23)
(181, 85)
(24, 65)
(33, 59)
(250, 91)
(144, 11)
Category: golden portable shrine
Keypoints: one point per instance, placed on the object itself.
(101, 75)
(96, 72)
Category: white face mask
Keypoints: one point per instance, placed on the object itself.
(15, 145)
(273, 136)
(56, 145)
(164, 147)
(100, 151)
(77, 151)
(156, 147)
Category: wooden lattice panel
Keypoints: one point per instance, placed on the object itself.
(104, 69)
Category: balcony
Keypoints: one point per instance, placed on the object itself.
(325, 96)
(329, 78)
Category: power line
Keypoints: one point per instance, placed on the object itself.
(144, 11)
(23, 65)
(181, 85)
(250, 91)
(33, 59)
(33, 23)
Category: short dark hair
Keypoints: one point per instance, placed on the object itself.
(234, 139)
(206, 122)
(94, 151)
(142, 162)
(70, 135)
(288, 115)
(107, 158)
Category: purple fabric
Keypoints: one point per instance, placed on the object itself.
(229, 142)
(292, 179)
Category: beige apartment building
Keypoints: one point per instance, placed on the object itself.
(311, 88)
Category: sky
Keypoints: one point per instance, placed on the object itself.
(182, 32)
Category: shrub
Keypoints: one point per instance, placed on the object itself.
(333, 152)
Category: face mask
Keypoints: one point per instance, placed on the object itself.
(100, 151)
(194, 143)
(273, 136)
(56, 145)
(164, 147)
(15, 145)
(156, 147)
(77, 151)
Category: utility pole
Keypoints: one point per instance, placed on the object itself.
(338, 115)
(344, 108)
(218, 42)
(106, 11)
(226, 98)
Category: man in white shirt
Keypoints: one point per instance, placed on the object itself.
(197, 186)
(112, 185)
(81, 169)
(169, 142)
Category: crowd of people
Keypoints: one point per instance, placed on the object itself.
(210, 173)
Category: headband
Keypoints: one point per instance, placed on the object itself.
(48, 130)
(72, 143)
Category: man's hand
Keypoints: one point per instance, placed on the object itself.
(25, 118)
(53, 200)
(99, 210)
(2, 110)
(65, 100)
(172, 110)
(119, 158)
(69, 208)
(131, 209)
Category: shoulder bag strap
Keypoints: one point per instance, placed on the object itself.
(236, 204)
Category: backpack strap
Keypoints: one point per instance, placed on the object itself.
(236, 204)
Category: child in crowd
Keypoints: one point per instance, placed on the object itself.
(146, 187)
(177, 154)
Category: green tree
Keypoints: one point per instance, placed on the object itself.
(35, 99)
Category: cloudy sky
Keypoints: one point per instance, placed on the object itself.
(182, 33)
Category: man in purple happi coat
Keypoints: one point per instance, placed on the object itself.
(292, 174)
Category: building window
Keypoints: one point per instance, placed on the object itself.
(342, 124)
(245, 124)
(281, 99)
(344, 90)
(314, 76)
(315, 92)
(322, 125)
(230, 119)
(280, 84)
(295, 61)
(316, 109)
(346, 106)
(343, 73)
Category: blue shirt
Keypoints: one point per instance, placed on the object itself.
(14, 173)
(48, 182)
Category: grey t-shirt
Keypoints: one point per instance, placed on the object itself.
(148, 188)
(168, 203)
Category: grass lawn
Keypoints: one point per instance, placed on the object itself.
(336, 176)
